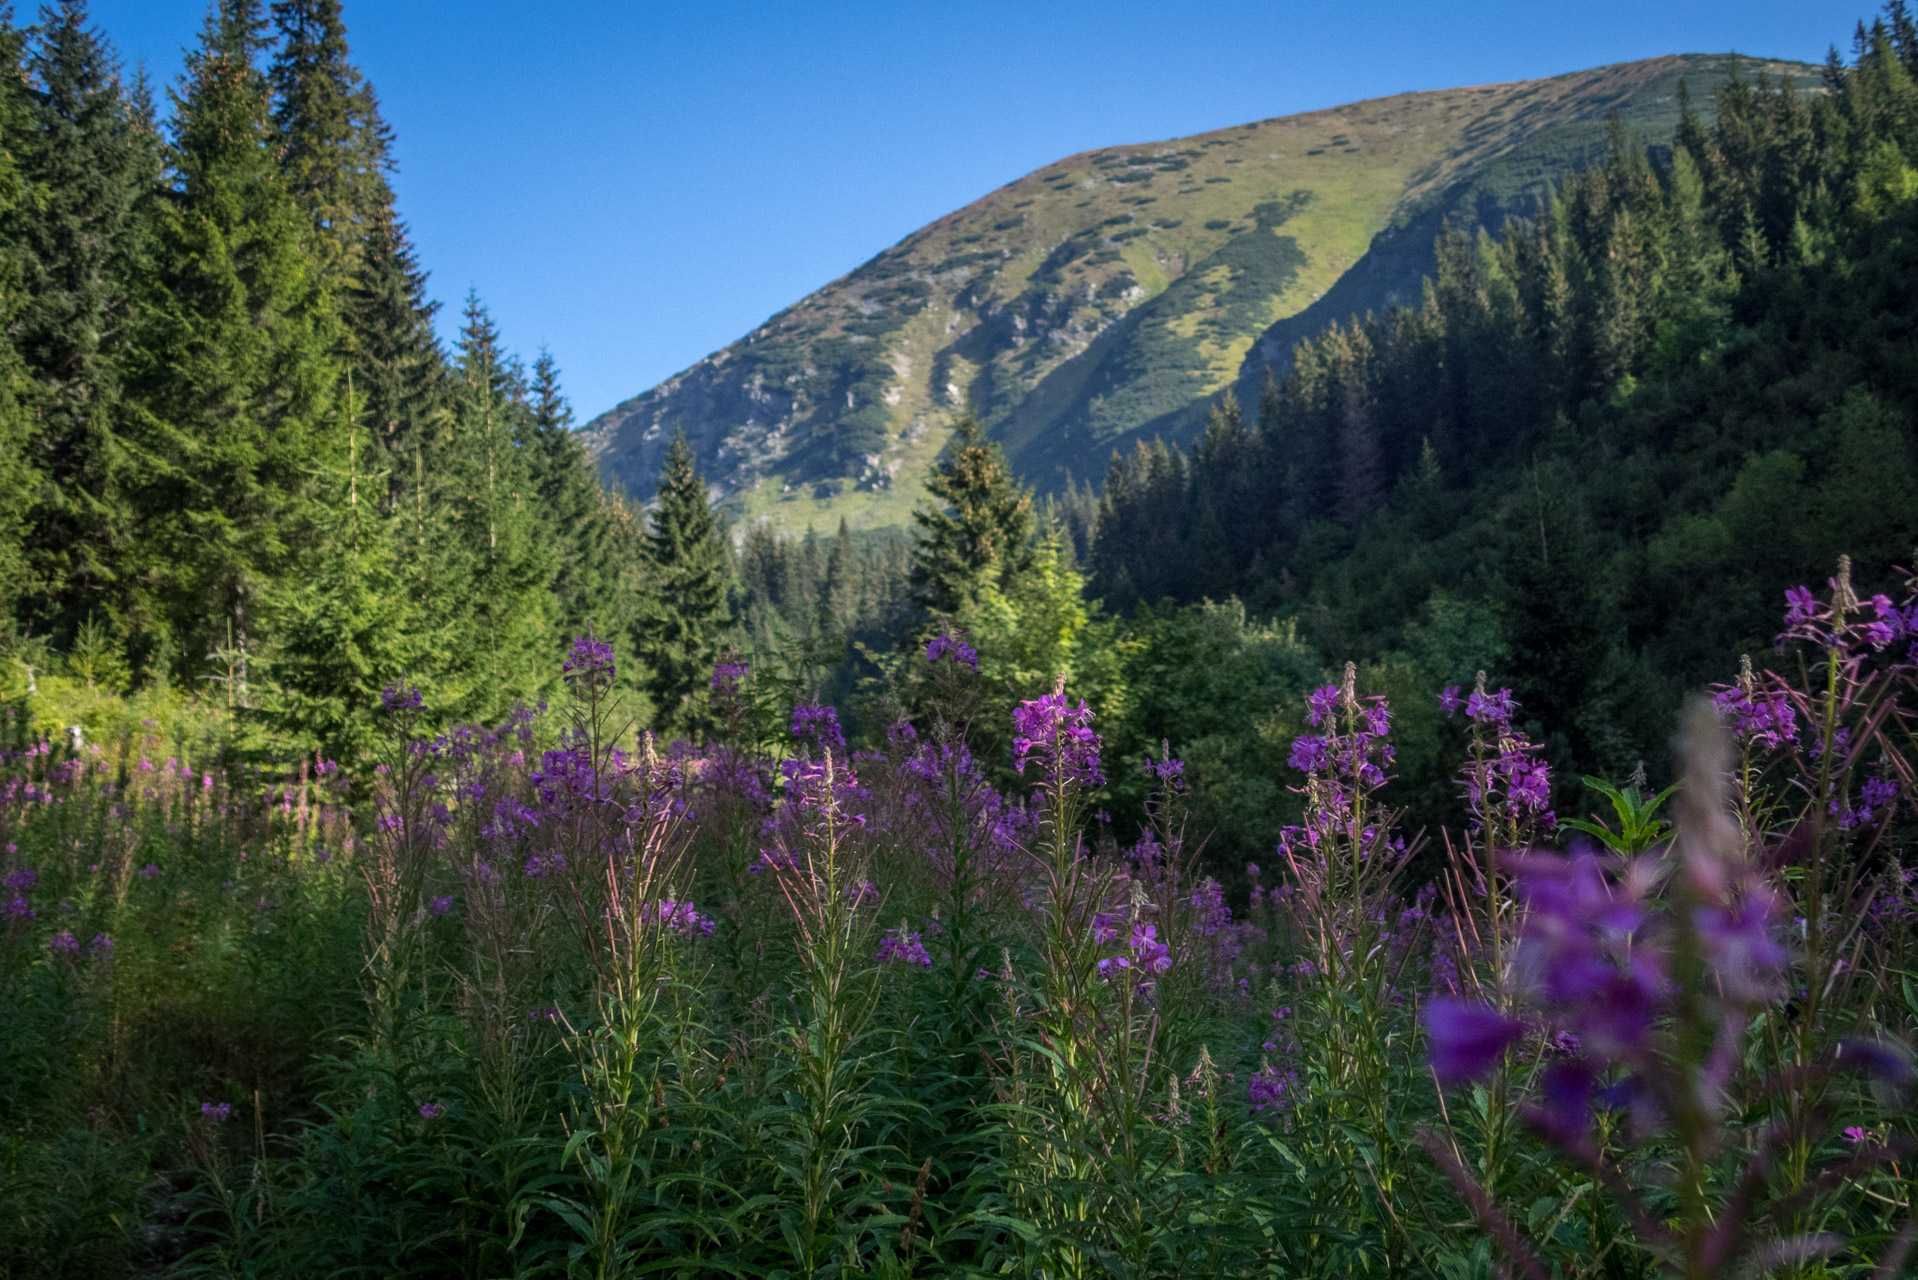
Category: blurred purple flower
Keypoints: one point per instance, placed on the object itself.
(821, 724)
(215, 1112)
(951, 646)
(1466, 1040)
(395, 698)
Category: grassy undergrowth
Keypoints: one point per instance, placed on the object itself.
(551, 998)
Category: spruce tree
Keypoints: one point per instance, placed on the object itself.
(231, 386)
(592, 585)
(399, 381)
(497, 562)
(839, 601)
(978, 528)
(91, 165)
(19, 479)
(336, 146)
(681, 633)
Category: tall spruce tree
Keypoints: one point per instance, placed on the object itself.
(397, 372)
(977, 528)
(231, 386)
(336, 153)
(593, 585)
(496, 568)
(19, 479)
(681, 632)
(92, 165)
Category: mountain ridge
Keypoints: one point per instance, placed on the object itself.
(1109, 295)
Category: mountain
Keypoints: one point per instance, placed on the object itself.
(1106, 297)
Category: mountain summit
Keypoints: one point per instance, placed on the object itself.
(1107, 297)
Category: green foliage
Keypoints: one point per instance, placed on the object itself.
(680, 634)
(974, 531)
(1622, 427)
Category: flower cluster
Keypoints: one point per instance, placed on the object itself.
(589, 663)
(1763, 718)
(901, 947)
(728, 677)
(1602, 966)
(676, 917)
(1270, 1087)
(1846, 622)
(820, 725)
(950, 646)
(1505, 779)
(1148, 954)
(395, 698)
(1344, 761)
(1052, 733)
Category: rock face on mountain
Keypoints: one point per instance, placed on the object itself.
(1108, 297)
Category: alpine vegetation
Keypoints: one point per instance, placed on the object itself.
(418, 861)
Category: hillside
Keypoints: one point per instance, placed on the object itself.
(1105, 297)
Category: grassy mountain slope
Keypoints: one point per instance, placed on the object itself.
(1105, 297)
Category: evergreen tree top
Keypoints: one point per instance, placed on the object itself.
(979, 524)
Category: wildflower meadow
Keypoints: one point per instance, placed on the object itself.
(554, 997)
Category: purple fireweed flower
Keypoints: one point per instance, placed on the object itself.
(1149, 953)
(1491, 708)
(16, 908)
(23, 879)
(1168, 771)
(541, 865)
(431, 1111)
(1310, 754)
(902, 947)
(728, 676)
(216, 1112)
(64, 943)
(677, 917)
(1449, 699)
(440, 906)
(395, 698)
(821, 725)
(1054, 734)
(1467, 1040)
(1270, 1088)
(149, 871)
(1252, 871)
(951, 646)
(1763, 718)
(1320, 704)
(1800, 605)
(101, 945)
(1105, 927)
(589, 662)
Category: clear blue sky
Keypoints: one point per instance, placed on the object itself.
(635, 185)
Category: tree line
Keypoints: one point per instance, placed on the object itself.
(233, 451)
(1610, 435)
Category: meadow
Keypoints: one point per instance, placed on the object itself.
(552, 997)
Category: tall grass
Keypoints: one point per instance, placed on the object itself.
(550, 998)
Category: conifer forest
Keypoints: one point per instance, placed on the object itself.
(1445, 816)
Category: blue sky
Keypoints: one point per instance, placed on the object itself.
(635, 185)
